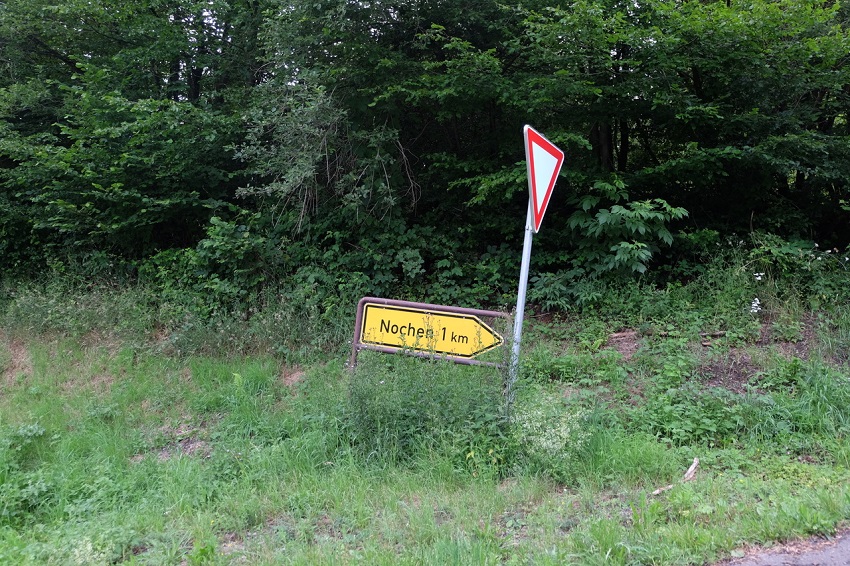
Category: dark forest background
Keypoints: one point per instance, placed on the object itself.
(221, 148)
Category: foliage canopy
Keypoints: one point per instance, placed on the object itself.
(376, 146)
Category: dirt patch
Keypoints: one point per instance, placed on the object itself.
(635, 390)
(801, 349)
(187, 442)
(733, 371)
(96, 339)
(793, 340)
(291, 376)
(231, 543)
(160, 336)
(569, 392)
(100, 384)
(327, 528)
(191, 446)
(626, 343)
(186, 447)
(234, 543)
(20, 363)
(183, 439)
(179, 431)
(442, 516)
(513, 527)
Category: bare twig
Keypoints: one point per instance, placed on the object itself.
(689, 476)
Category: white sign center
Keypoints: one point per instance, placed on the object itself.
(545, 165)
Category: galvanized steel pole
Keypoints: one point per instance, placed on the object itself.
(513, 372)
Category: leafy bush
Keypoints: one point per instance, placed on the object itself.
(224, 272)
(691, 254)
(691, 415)
(23, 488)
(22, 495)
(569, 290)
(615, 234)
(818, 275)
(87, 181)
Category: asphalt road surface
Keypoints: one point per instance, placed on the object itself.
(811, 552)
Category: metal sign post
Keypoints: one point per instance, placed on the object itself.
(543, 161)
(513, 372)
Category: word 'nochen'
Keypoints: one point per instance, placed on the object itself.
(409, 330)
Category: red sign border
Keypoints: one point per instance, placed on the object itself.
(533, 136)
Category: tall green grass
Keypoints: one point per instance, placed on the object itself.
(297, 329)
(132, 431)
(399, 406)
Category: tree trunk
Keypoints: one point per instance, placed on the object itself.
(623, 153)
(602, 143)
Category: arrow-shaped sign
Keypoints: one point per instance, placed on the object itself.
(454, 335)
(544, 161)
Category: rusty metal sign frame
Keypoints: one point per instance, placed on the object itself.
(427, 308)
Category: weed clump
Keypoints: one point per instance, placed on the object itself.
(399, 407)
(553, 435)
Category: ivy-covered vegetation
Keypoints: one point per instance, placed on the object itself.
(219, 149)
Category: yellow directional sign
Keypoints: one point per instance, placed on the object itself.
(458, 335)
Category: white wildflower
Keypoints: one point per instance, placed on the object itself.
(758, 276)
(550, 431)
(755, 306)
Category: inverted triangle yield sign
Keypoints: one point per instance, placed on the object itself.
(544, 162)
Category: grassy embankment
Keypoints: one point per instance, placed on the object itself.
(124, 438)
